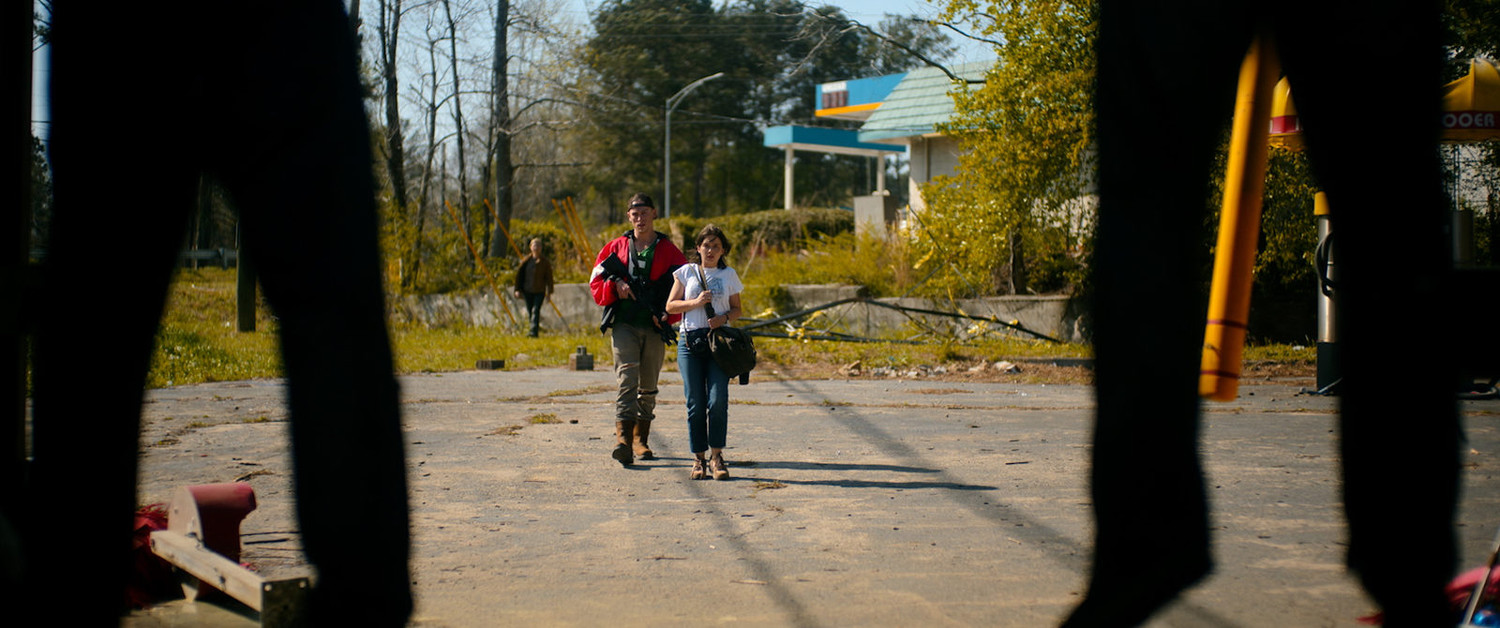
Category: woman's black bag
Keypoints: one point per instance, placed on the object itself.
(732, 348)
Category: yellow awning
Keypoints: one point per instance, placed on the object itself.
(1471, 105)
(1471, 109)
(1286, 128)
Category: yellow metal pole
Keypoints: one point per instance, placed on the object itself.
(559, 312)
(479, 259)
(562, 215)
(583, 239)
(578, 227)
(1239, 226)
(496, 214)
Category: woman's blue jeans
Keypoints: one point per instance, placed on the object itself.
(707, 390)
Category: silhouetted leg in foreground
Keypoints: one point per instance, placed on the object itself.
(267, 99)
(1167, 74)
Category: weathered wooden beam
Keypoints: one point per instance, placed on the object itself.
(278, 601)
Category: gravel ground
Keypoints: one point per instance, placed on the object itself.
(891, 501)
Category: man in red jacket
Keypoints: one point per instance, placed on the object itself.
(638, 318)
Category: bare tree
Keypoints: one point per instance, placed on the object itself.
(499, 153)
(458, 114)
(354, 24)
(823, 28)
(430, 111)
(395, 157)
(508, 149)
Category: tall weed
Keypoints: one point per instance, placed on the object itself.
(884, 266)
(198, 341)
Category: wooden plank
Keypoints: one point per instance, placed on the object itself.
(188, 554)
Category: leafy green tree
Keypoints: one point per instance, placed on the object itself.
(643, 51)
(831, 47)
(1016, 216)
(41, 193)
(1472, 29)
(1027, 133)
(772, 53)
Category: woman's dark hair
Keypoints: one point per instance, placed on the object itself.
(714, 231)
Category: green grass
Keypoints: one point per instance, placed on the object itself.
(423, 350)
(198, 343)
(892, 354)
(1298, 354)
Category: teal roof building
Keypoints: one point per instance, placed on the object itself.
(915, 106)
(899, 115)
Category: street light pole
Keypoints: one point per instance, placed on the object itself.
(666, 210)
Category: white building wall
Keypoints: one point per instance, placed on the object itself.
(931, 156)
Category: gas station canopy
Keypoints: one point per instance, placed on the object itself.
(1471, 109)
(1471, 105)
(825, 140)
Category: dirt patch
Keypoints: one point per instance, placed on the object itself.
(1299, 373)
(1278, 370)
(950, 372)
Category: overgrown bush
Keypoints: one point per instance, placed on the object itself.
(571, 260)
(882, 265)
(1283, 299)
(440, 261)
(972, 246)
(756, 233)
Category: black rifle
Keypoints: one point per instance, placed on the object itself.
(645, 294)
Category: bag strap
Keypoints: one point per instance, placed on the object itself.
(703, 283)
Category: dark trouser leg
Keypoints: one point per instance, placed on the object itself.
(653, 353)
(116, 227)
(270, 102)
(1382, 186)
(1384, 191)
(716, 390)
(694, 373)
(306, 195)
(1152, 536)
(626, 341)
(534, 304)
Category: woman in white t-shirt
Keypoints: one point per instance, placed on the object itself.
(707, 295)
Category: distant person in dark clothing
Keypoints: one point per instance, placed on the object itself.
(534, 284)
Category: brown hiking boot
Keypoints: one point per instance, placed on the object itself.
(698, 472)
(642, 432)
(624, 437)
(717, 467)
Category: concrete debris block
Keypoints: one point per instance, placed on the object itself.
(980, 368)
(581, 361)
(1007, 367)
